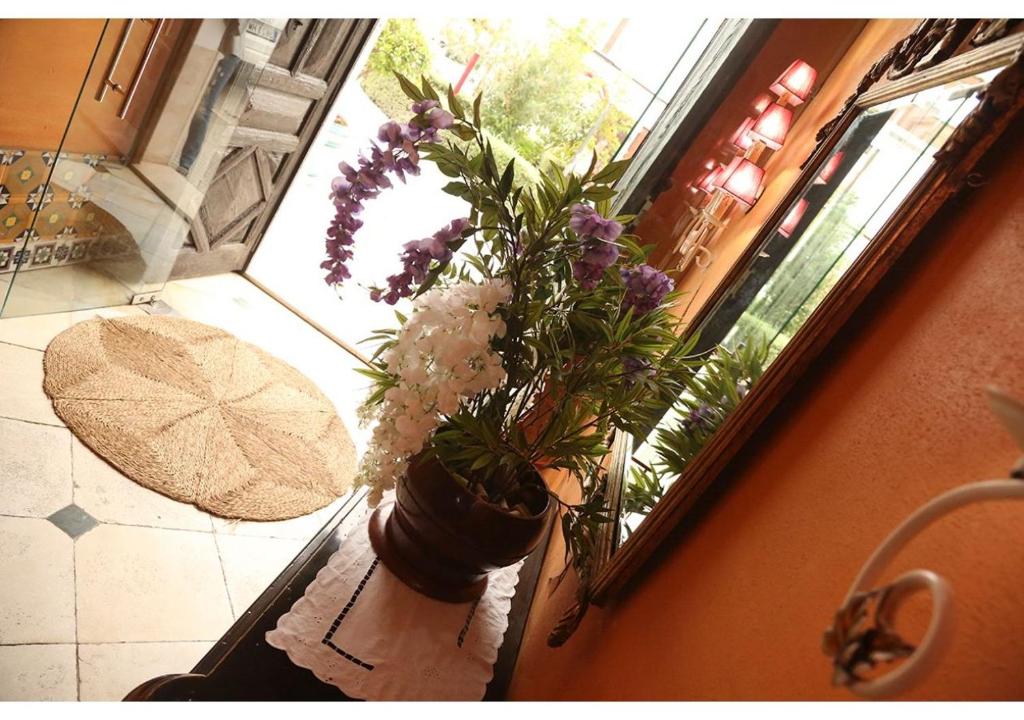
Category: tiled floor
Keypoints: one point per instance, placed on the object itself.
(104, 583)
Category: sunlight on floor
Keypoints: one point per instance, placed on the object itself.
(107, 584)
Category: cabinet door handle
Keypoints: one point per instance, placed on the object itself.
(108, 81)
(150, 47)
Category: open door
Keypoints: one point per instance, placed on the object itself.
(278, 121)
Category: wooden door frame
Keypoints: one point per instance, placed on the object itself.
(361, 31)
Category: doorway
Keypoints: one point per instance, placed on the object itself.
(111, 149)
(553, 91)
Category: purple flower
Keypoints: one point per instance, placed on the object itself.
(355, 185)
(634, 368)
(700, 418)
(417, 256)
(440, 119)
(423, 105)
(598, 256)
(646, 288)
(587, 223)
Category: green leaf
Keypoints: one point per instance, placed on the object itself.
(428, 89)
(456, 188)
(409, 88)
(599, 192)
(507, 177)
(454, 105)
(476, 109)
(462, 132)
(611, 172)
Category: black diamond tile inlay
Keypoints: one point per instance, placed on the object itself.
(73, 520)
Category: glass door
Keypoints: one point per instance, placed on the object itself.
(553, 91)
(95, 207)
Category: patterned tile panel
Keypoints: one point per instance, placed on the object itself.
(58, 221)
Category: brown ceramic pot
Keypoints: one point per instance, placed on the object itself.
(442, 540)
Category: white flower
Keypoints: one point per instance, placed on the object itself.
(442, 356)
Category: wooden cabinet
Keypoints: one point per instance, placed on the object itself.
(53, 68)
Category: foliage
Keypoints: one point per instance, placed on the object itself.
(540, 97)
(805, 276)
(464, 36)
(387, 96)
(401, 48)
(710, 397)
(543, 100)
(568, 350)
(505, 153)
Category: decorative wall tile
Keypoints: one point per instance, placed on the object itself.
(43, 254)
(39, 198)
(9, 157)
(32, 211)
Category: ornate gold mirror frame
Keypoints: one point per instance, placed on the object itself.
(937, 51)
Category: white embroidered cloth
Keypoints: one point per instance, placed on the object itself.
(358, 627)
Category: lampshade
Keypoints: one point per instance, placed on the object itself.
(708, 180)
(793, 218)
(830, 169)
(772, 126)
(796, 82)
(741, 139)
(743, 181)
(724, 171)
(761, 102)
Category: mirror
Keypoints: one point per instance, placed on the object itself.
(829, 222)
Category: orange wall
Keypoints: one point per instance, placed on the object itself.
(735, 604)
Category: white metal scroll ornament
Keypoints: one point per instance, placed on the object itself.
(857, 645)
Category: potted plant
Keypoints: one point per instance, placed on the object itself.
(537, 330)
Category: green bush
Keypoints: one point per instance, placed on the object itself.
(386, 94)
(503, 153)
(401, 48)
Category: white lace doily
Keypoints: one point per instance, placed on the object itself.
(358, 627)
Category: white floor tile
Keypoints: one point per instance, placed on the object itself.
(38, 672)
(37, 582)
(110, 671)
(251, 564)
(34, 331)
(107, 495)
(23, 397)
(108, 312)
(300, 528)
(138, 584)
(35, 472)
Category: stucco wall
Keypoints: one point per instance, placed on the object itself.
(892, 414)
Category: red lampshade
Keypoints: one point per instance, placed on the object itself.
(708, 180)
(724, 171)
(743, 181)
(830, 169)
(772, 126)
(761, 102)
(741, 139)
(797, 81)
(793, 218)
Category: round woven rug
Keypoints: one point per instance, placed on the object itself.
(194, 413)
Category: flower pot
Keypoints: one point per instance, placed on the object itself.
(442, 540)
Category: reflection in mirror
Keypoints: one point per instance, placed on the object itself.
(872, 169)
